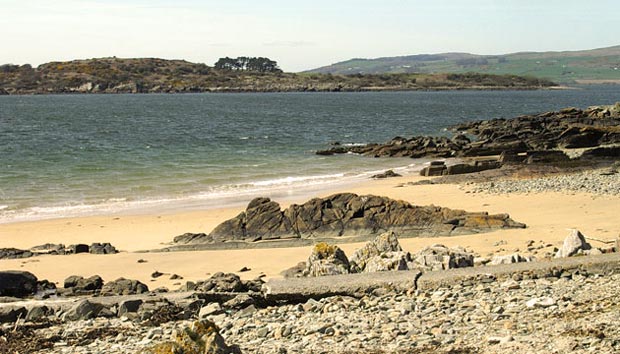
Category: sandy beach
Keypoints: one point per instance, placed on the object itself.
(548, 215)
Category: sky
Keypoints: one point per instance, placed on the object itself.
(299, 35)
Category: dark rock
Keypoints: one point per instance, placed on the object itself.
(49, 248)
(222, 282)
(129, 306)
(17, 283)
(12, 313)
(547, 157)
(38, 312)
(83, 310)
(102, 248)
(14, 253)
(175, 277)
(326, 260)
(124, 286)
(190, 238)
(81, 284)
(254, 284)
(79, 248)
(601, 152)
(386, 174)
(244, 269)
(156, 274)
(348, 214)
(478, 166)
(295, 271)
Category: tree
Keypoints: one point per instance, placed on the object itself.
(257, 64)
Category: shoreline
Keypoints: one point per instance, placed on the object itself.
(547, 214)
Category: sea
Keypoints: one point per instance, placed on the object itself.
(78, 155)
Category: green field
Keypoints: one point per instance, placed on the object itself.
(562, 67)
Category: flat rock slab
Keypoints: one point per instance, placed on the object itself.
(296, 289)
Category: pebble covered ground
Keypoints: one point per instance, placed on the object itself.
(599, 182)
(574, 313)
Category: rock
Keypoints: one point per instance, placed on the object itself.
(326, 260)
(17, 283)
(12, 313)
(222, 282)
(348, 214)
(382, 244)
(239, 301)
(175, 277)
(78, 283)
(295, 271)
(124, 286)
(14, 253)
(102, 248)
(388, 261)
(83, 310)
(202, 337)
(386, 174)
(156, 274)
(38, 312)
(440, 257)
(213, 308)
(540, 302)
(244, 269)
(574, 242)
(79, 248)
(190, 238)
(254, 284)
(49, 248)
(129, 306)
(510, 258)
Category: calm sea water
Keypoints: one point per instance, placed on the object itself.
(66, 155)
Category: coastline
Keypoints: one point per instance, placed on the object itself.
(547, 214)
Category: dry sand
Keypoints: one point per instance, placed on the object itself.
(547, 215)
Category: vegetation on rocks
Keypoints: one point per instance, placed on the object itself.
(243, 74)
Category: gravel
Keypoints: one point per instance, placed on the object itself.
(599, 182)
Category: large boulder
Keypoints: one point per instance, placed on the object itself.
(573, 243)
(102, 248)
(12, 313)
(440, 257)
(326, 260)
(82, 310)
(17, 283)
(388, 261)
(78, 283)
(122, 286)
(347, 214)
(222, 282)
(381, 245)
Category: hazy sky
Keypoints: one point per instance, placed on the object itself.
(298, 34)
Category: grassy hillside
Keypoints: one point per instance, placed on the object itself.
(148, 75)
(564, 67)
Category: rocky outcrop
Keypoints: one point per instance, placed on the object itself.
(347, 214)
(57, 249)
(380, 247)
(566, 129)
(326, 260)
(17, 283)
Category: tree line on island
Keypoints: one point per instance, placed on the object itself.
(241, 74)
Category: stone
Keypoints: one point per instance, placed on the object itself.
(38, 312)
(12, 313)
(388, 261)
(222, 282)
(78, 283)
(202, 337)
(124, 286)
(213, 308)
(102, 248)
(79, 248)
(510, 258)
(17, 283)
(129, 306)
(326, 260)
(540, 302)
(83, 310)
(573, 243)
(239, 301)
(386, 174)
(386, 242)
(440, 257)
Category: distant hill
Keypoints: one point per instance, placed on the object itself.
(585, 66)
(151, 75)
